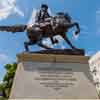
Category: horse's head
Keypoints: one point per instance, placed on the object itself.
(63, 19)
(68, 18)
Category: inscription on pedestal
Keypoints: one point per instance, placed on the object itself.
(56, 78)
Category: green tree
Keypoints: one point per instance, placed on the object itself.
(5, 87)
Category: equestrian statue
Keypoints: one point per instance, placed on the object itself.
(45, 26)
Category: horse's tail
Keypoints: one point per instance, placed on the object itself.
(13, 28)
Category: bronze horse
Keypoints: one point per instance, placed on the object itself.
(57, 25)
(51, 27)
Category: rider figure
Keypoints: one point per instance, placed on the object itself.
(42, 14)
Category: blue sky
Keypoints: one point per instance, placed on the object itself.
(86, 12)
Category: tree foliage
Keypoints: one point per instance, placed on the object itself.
(5, 86)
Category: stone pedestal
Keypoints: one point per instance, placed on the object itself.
(51, 76)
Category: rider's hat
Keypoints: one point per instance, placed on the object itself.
(44, 6)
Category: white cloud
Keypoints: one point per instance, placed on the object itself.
(4, 58)
(47, 42)
(7, 7)
(32, 18)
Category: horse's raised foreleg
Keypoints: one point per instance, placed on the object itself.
(75, 25)
(67, 40)
(26, 44)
